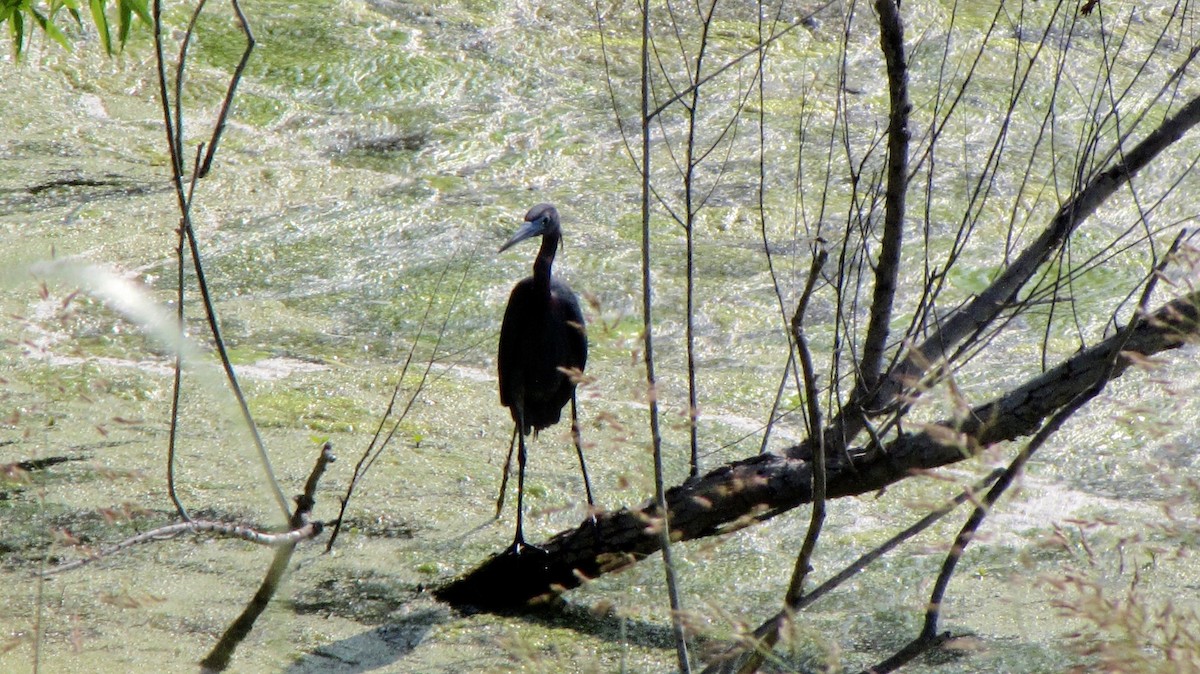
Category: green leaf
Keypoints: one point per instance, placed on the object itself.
(125, 14)
(44, 14)
(50, 29)
(101, 21)
(141, 8)
(72, 7)
(17, 26)
(57, 5)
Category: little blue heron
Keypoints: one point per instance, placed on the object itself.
(543, 350)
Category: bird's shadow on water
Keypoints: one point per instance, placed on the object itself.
(604, 625)
(383, 646)
(373, 649)
(375, 599)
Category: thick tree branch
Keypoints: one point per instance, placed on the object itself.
(755, 489)
(891, 38)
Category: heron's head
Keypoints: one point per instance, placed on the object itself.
(541, 219)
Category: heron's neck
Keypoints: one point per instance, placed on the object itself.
(545, 257)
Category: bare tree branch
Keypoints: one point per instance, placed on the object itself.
(891, 40)
(803, 563)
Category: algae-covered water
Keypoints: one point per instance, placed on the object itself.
(377, 155)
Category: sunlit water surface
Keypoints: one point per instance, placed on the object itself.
(377, 155)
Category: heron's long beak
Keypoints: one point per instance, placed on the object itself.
(528, 230)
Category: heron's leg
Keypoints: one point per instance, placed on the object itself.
(512, 442)
(519, 538)
(587, 484)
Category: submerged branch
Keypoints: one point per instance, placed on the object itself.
(219, 657)
(222, 529)
(301, 527)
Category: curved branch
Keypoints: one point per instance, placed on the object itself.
(219, 657)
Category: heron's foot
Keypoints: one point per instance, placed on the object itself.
(520, 547)
(592, 518)
(594, 524)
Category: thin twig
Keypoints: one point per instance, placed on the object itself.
(690, 212)
(174, 131)
(817, 519)
(210, 313)
(774, 415)
(219, 127)
(803, 560)
(677, 96)
(664, 526)
(376, 447)
(177, 378)
(179, 72)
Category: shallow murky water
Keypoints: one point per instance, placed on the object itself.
(378, 154)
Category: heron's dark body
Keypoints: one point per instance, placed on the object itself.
(543, 331)
(543, 349)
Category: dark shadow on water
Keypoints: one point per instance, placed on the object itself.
(373, 649)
